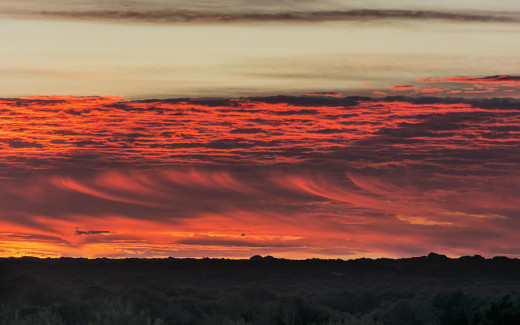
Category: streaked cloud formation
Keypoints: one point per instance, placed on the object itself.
(479, 80)
(317, 175)
(158, 11)
(357, 15)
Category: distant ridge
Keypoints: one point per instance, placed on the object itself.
(267, 258)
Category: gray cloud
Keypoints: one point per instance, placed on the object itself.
(172, 15)
(91, 232)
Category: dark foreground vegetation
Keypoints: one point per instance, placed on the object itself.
(421, 290)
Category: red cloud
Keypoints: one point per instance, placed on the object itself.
(407, 87)
(301, 176)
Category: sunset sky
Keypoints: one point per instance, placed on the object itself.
(299, 129)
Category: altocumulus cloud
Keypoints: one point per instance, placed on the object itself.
(327, 176)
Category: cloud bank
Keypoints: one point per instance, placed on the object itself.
(315, 175)
(173, 16)
(445, 135)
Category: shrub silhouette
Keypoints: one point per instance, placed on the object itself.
(503, 312)
(294, 311)
(431, 290)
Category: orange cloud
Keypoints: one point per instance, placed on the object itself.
(310, 176)
(408, 87)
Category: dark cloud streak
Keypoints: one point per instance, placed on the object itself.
(170, 16)
(91, 232)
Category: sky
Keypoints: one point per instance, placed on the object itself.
(298, 129)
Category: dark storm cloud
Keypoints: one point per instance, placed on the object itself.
(169, 16)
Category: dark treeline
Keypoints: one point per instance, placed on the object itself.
(425, 290)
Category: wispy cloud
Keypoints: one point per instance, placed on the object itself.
(235, 242)
(169, 16)
(188, 176)
(286, 210)
(498, 79)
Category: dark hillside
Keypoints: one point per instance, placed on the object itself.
(422, 290)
